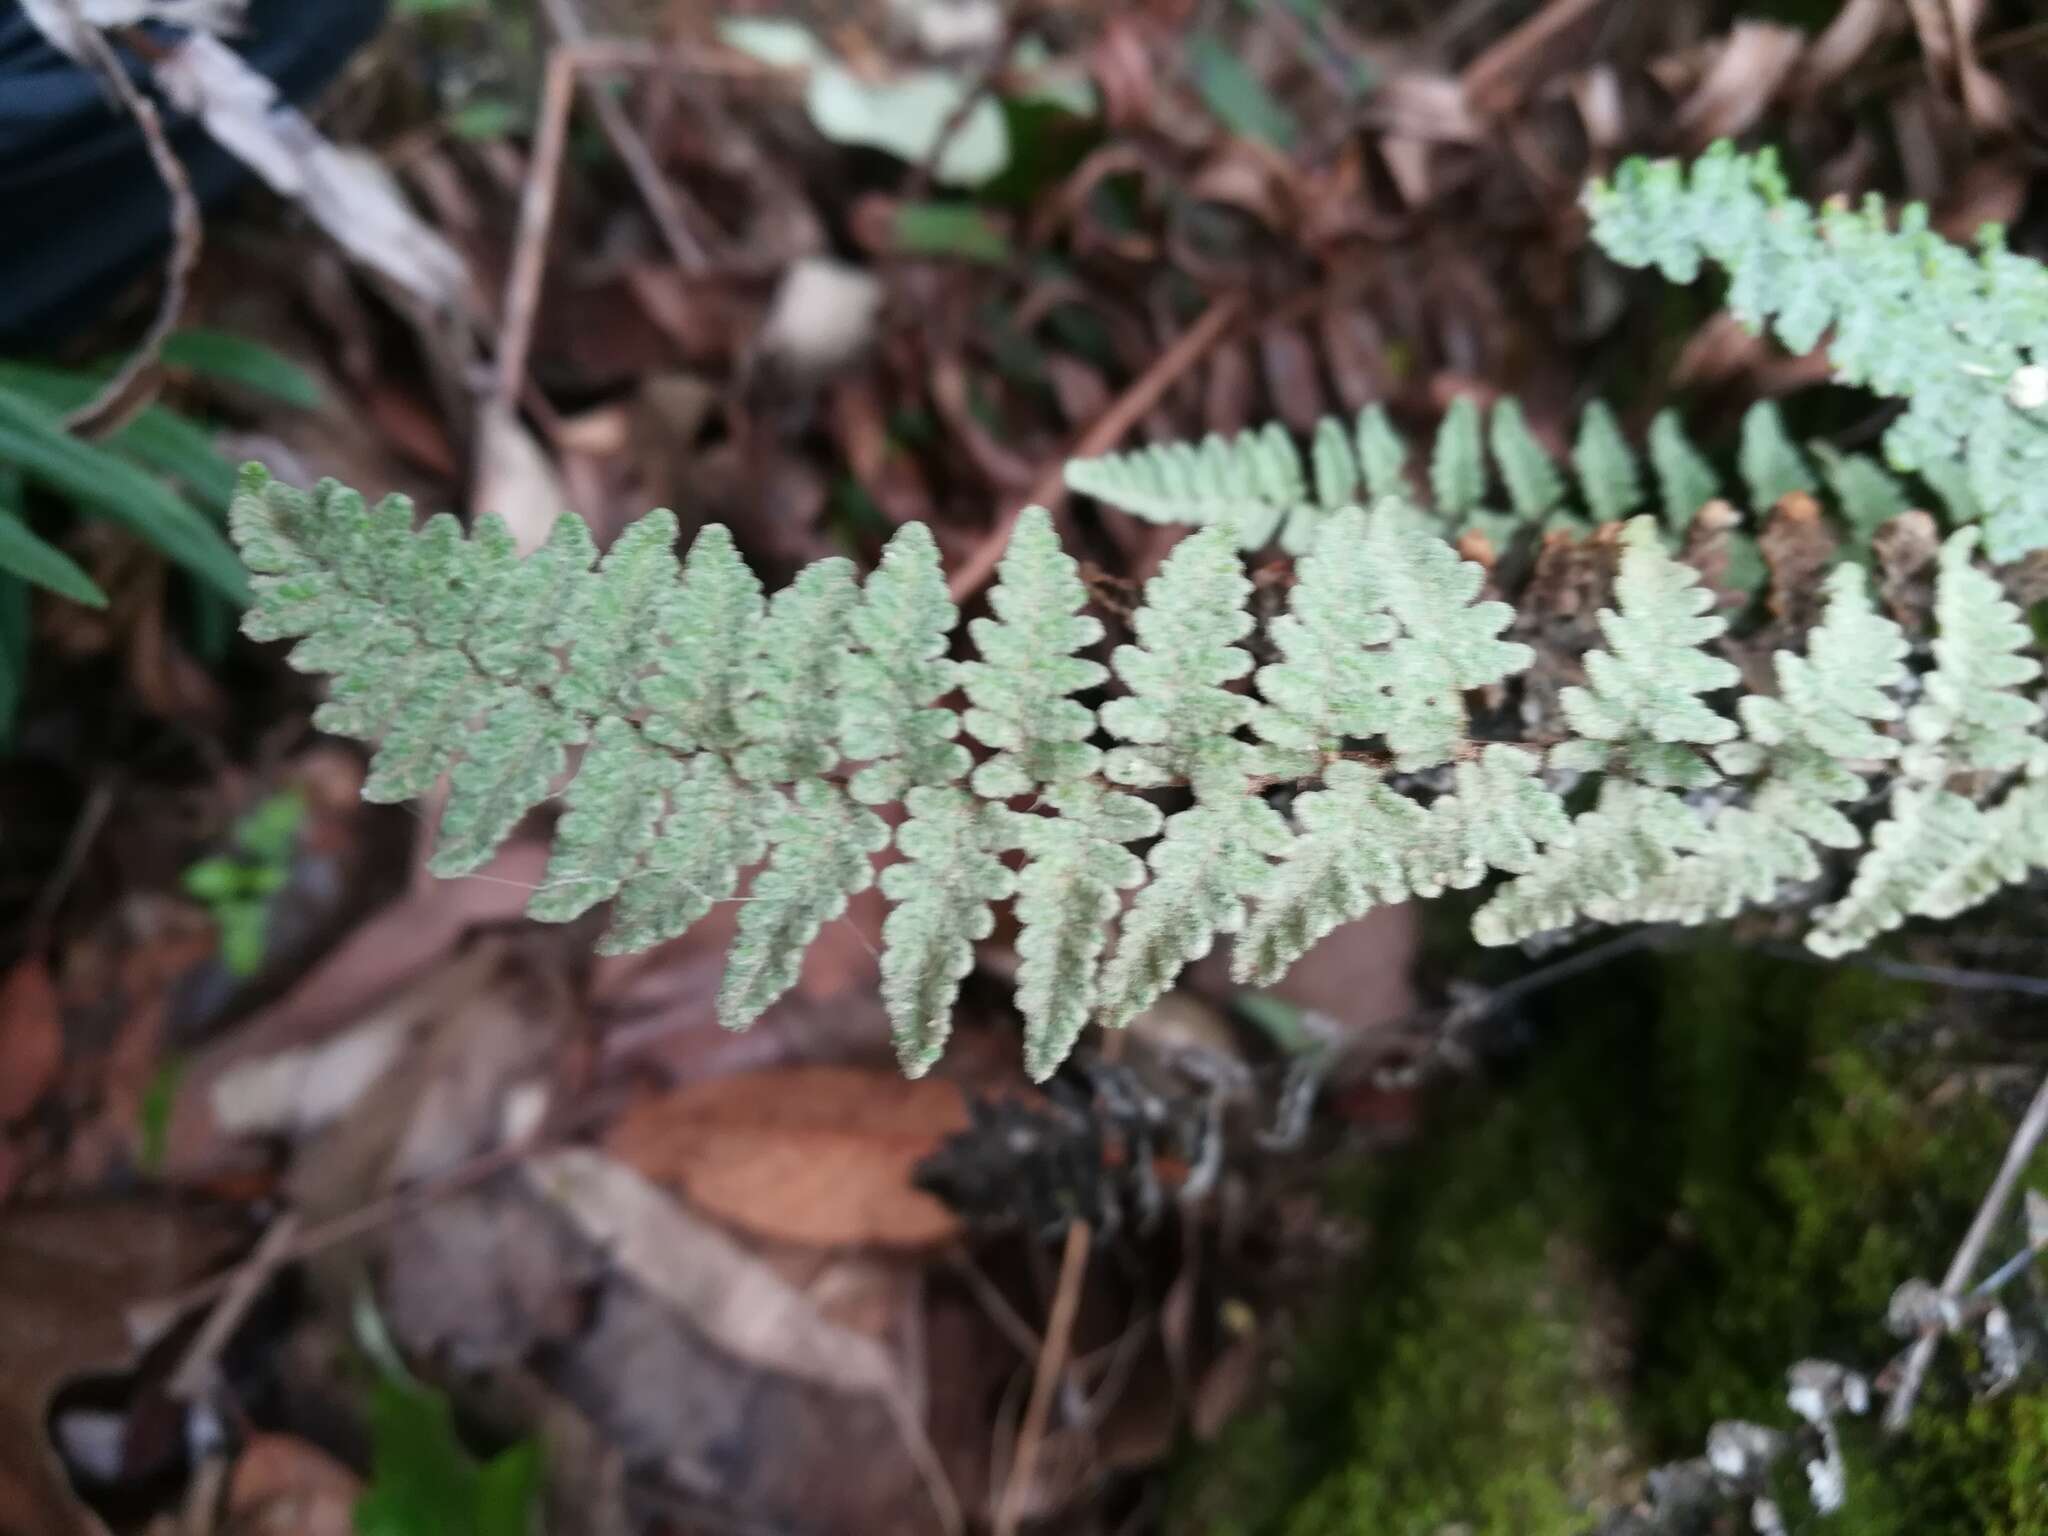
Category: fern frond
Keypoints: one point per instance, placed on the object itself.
(1971, 714)
(943, 897)
(1457, 463)
(1632, 838)
(1685, 480)
(719, 729)
(823, 842)
(1215, 855)
(1067, 899)
(1020, 691)
(1640, 709)
(1181, 717)
(1535, 488)
(1955, 334)
(896, 673)
(1772, 465)
(788, 705)
(1609, 478)
(1827, 714)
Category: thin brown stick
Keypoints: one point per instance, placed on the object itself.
(244, 1285)
(187, 233)
(663, 202)
(1953, 1284)
(1129, 408)
(927, 169)
(356, 1223)
(536, 218)
(1052, 1364)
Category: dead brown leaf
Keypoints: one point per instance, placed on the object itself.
(282, 1486)
(1906, 549)
(68, 1276)
(1797, 546)
(809, 1155)
(1752, 63)
(31, 1038)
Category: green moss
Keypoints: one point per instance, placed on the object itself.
(1746, 1156)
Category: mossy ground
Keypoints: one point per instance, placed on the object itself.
(1714, 1165)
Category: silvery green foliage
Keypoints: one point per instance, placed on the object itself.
(1535, 488)
(696, 730)
(1960, 336)
(1608, 856)
(1940, 852)
(1382, 638)
(1183, 721)
(1606, 466)
(1685, 480)
(1640, 712)
(1020, 702)
(1771, 463)
(1796, 750)
(1361, 845)
(1263, 487)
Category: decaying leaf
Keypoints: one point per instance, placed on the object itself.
(820, 1156)
(31, 1038)
(68, 1276)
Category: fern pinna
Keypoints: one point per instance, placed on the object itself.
(697, 729)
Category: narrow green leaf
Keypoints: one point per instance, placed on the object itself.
(958, 230)
(1234, 94)
(35, 442)
(244, 361)
(1457, 464)
(44, 565)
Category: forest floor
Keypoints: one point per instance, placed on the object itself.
(441, 1223)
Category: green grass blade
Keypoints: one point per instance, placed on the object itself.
(158, 438)
(34, 441)
(238, 360)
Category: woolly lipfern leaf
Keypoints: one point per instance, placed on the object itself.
(1957, 335)
(1640, 710)
(696, 731)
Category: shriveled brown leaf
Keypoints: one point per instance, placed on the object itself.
(31, 1037)
(1708, 547)
(284, 1486)
(1906, 550)
(1858, 27)
(68, 1276)
(811, 1155)
(1502, 76)
(1753, 61)
(1293, 381)
(1797, 546)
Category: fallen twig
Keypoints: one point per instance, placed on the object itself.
(1052, 1364)
(244, 1284)
(2024, 1140)
(187, 233)
(664, 203)
(1109, 429)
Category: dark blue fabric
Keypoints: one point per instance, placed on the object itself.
(81, 209)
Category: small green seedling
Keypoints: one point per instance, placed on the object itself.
(236, 886)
